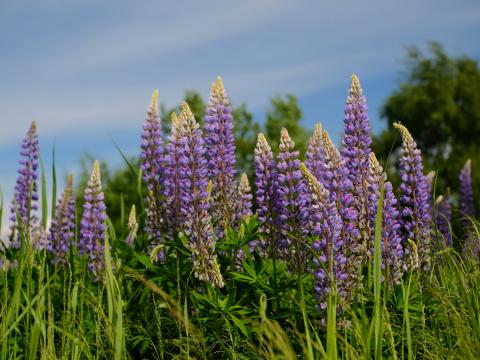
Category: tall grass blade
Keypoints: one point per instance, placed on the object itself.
(54, 184)
(44, 197)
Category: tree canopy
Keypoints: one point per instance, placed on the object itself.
(438, 100)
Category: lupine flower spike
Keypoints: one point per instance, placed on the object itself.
(220, 152)
(132, 226)
(292, 203)
(171, 181)
(391, 241)
(315, 155)
(326, 228)
(443, 219)
(92, 226)
(334, 177)
(467, 209)
(356, 152)
(194, 200)
(62, 229)
(415, 217)
(25, 203)
(244, 198)
(265, 175)
(152, 167)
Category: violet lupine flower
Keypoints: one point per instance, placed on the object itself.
(171, 180)
(194, 197)
(356, 152)
(414, 206)
(326, 226)
(443, 218)
(244, 198)
(62, 228)
(467, 209)
(25, 203)
(220, 152)
(391, 241)
(265, 175)
(334, 177)
(315, 155)
(292, 202)
(151, 165)
(92, 225)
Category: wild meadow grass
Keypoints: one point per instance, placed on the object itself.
(161, 311)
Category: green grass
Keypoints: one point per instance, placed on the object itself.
(143, 310)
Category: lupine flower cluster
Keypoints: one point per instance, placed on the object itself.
(415, 218)
(93, 224)
(335, 179)
(315, 155)
(356, 152)
(151, 160)
(62, 228)
(25, 204)
(328, 243)
(467, 210)
(391, 243)
(194, 199)
(265, 175)
(292, 200)
(244, 197)
(318, 216)
(220, 153)
(171, 182)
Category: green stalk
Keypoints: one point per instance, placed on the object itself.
(406, 317)
(44, 197)
(310, 354)
(54, 184)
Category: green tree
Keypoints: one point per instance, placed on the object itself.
(246, 130)
(285, 112)
(439, 102)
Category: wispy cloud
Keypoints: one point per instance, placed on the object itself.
(96, 73)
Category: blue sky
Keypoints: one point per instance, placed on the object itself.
(85, 70)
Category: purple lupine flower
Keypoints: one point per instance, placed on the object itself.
(443, 218)
(292, 202)
(391, 241)
(356, 152)
(265, 175)
(414, 206)
(171, 180)
(62, 228)
(334, 177)
(244, 198)
(326, 226)
(25, 203)
(92, 225)
(194, 197)
(467, 209)
(152, 167)
(220, 152)
(315, 155)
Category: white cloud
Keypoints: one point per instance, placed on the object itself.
(261, 48)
